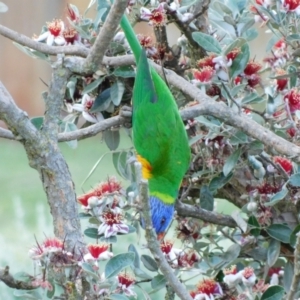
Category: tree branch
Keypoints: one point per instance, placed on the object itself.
(193, 211)
(44, 156)
(107, 32)
(154, 246)
(296, 278)
(9, 280)
(41, 47)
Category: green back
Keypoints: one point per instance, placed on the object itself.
(159, 135)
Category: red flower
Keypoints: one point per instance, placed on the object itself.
(281, 82)
(291, 131)
(97, 249)
(55, 27)
(126, 279)
(213, 90)
(187, 260)
(254, 80)
(207, 61)
(281, 44)
(267, 188)
(290, 5)
(209, 287)
(109, 186)
(166, 246)
(233, 53)
(238, 80)
(252, 68)
(70, 35)
(204, 75)
(248, 272)
(293, 99)
(53, 243)
(285, 163)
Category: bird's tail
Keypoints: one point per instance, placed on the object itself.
(131, 37)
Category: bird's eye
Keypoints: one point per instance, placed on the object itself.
(163, 220)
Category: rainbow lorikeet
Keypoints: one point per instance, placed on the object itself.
(159, 136)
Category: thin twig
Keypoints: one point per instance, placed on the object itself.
(10, 281)
(187, 210)
(95, 56)
(154, 246)
(41, 47)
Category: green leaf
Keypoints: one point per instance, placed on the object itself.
(293, 78)
(207, 42)
(111, 138)
(92, 233)
(158, 282)
(239, 138)
(254, 226)
(213, 123)
(277, 197)
(221, 7)
(252, 221)
(247, 26)
(232, 253)
(288, 276)
(119, 162)
(219, 181)
(293, 237)
(102, 101)
(30, 52)
(206, 198)
(86, 267)
(140, 273)
(237, 89)
(32, 294)
(240, 62)
(117, 263)
(295, 180)
(255, 148)
(68, 128)
(116, 92)
(118, 297)
(236, 215)
(37, 122)
(231, 161)
(273, 252)
(274, 292)
(279, 232)
(51, 293)
(83, 215)
(149, 263)
(125, 72)
(136, 263)
(93, 85)
(252, 98)
(250, 34)
(109, 240)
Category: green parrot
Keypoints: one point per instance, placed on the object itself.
(159, 136)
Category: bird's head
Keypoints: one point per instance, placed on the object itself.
(162, 215)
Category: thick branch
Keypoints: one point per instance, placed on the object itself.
(44, 155)
(186, 210)
(6, 278)
(296, 278)
(44, 48)
(107, 32)
(154, 246)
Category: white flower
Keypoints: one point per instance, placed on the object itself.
(112, 224)
(54, 33)
(84, 107)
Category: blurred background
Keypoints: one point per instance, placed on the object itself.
(24, 211)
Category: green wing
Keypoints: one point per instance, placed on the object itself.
(159, 135)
